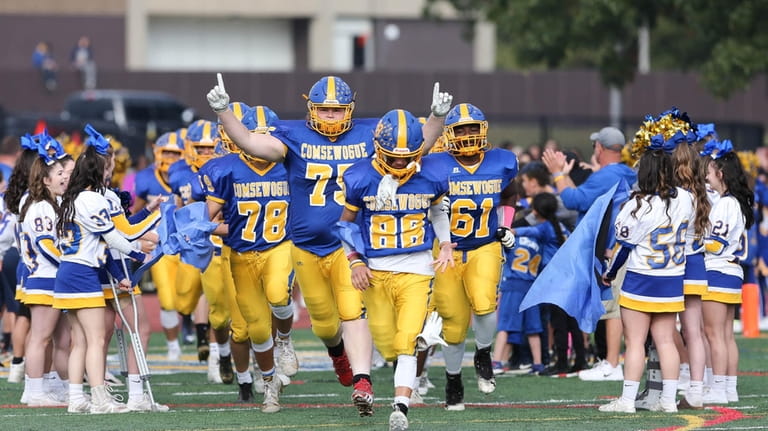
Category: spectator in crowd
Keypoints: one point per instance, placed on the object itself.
(42, 60)
(81, 59)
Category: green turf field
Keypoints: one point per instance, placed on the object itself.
(315, 401)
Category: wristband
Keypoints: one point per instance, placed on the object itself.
(558, 178)
(353, 256)
(137, 256)
(356, 262)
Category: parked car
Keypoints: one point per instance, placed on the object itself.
(133, 116)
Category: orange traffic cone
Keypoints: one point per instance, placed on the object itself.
(750, 310)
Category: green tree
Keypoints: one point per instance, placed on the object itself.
(722, 40)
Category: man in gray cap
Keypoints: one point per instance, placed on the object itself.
(609, 137)
(607, 144)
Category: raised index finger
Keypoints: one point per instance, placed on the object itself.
(435, 90)
(221, 82)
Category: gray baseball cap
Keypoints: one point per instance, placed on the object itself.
(610, 138)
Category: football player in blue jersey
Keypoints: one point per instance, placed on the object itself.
(389, 223)
(253, 197)
(151, 182)
(316, 152)
(215, 282)
(476, 176)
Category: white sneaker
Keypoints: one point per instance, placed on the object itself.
(377, 361)
(486, 386)
(732, 396)
(174, 354)
(603, 372)
(24, 397)
(60, 393)
(258, 384)
(713, 396)
(16, 373)
(214, 376)
(664, 407)
(424, 384)
(683, 381)
(46, 399)
(647, 399)
(111, 380)
(763, 325)
(398, 421)
(144, 404)
(272, 391)
(416, 398)
(287, 362)
(103, 401)
(618, 406)
(82, 406)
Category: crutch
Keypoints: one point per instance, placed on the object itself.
(122, 349)
(138, 350)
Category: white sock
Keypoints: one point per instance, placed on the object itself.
(730, 383)
(453, 355)
(283, 334)
(708, 376)
(685, 369)
(224, 349)
(668, 391)
(629, 391)
(485, 329)
(405, 373)
(718, 383)
(244, 377)
(173, 345)
(399, 399)
(214, 350)
(695, 388)
(135, 387)
(35, 386)
(76, 392)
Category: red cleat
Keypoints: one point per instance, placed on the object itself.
(362, 396)
(342, 368)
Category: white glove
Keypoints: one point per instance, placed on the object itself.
(506, 237)
(218, 98)
(445, 205)
(441, 101)
(430, 335)
(387, 192)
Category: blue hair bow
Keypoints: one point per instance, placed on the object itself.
(49, 149)
(717, 149)
(96, 140)
(659, 143)
(704, 130)
(28, 142)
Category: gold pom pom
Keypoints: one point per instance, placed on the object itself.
(666, 126)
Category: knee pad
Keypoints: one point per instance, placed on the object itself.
(169, 319)
(282, 312)
(263, 347)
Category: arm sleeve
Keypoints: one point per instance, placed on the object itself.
(118, 242)
(49, 250)
(135, 226)
(618, 261)
(440, 223)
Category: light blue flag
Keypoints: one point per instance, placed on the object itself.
(192, 238)
(165, 227)
(571, 280)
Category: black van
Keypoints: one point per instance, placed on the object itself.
(132, 116)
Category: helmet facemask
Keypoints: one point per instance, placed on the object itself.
(326, 127)
(467, 144)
